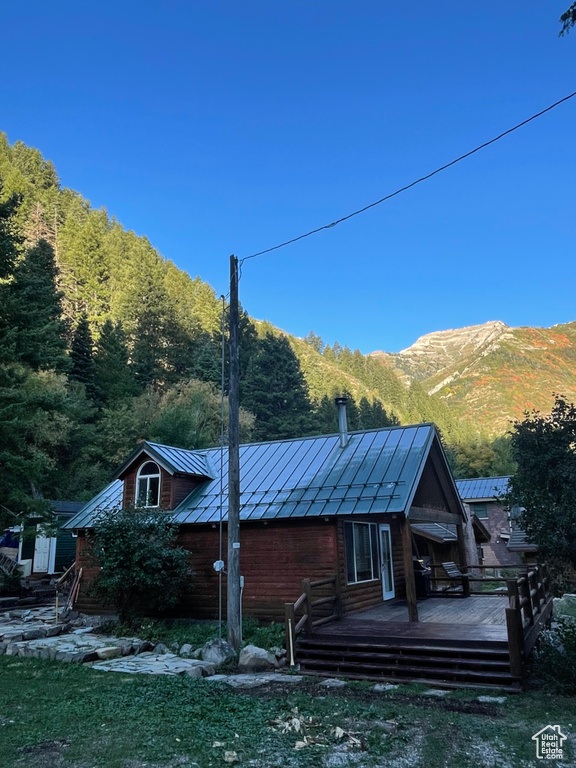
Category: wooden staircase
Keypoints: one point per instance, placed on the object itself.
(443, 663)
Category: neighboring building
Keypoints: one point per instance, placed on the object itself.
(47, 551)
(507, 545)
(310, 508)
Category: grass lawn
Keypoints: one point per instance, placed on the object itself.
(55, 715)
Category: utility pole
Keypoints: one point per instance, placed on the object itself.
(233, 614)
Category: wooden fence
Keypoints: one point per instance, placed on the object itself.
(310, 612)
(528, 612)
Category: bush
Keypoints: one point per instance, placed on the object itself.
(555, 660)
(10, 585)
(143, 572)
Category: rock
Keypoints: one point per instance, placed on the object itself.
(194, 672)
(197, 654)
(33, 634)
(175, 647)
(217, 652)
(492, 699)
(83, 631)
(111, 652)
(218, 678)
(249, 681)
(185, 650)
(280, 653)
(382, 687)
(333, 682)
(436, 692)
(254, 659)
(55, 630)
(161, 648)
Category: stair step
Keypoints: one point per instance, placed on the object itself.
(380, 670)
(359, 656)
(348, 647)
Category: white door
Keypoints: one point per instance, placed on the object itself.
(386, 563)
(41, 552)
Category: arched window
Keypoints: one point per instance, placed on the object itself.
(148, 485)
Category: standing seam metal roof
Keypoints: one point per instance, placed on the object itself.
(173, 459)
(482, 488)
(376, 472)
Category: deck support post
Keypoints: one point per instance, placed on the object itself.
(307, 590)
(409, 569)
(463, 560)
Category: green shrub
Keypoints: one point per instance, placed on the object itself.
(143, 572)
(555, 660)
(10, 585)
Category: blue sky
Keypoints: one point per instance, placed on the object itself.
(217, 127)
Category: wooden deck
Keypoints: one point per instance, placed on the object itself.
(442, 610)
(474, 619)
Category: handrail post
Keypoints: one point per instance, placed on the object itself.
(512, 586)
(338, 596)
(524, 590)
(289, 628)
(307, 590)
(465, 585)
(515, 634)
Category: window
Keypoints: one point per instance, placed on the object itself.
(148, 485)
(361, 552)
(480, 510)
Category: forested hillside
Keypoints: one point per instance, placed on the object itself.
(103, 342)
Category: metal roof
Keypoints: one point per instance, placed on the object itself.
(482, 488)
(172, 459)
(66, 507)
(109, 498)
(518, 541)
(435, 531)
(378, 471)
(311, 477)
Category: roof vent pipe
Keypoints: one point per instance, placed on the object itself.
(342, 420)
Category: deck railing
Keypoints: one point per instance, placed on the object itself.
(473, 580)
(310, 612)
(529, 610)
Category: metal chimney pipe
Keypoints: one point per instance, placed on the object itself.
(342, 420)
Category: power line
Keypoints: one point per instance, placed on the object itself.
(409, 186)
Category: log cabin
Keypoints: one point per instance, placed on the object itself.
(332, 534)
(353, 505)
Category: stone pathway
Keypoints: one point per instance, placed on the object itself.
(29, 624)
(79, 646)
(149, 663)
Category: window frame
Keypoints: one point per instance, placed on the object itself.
(148, 477)
(481, 506)
(352, 527)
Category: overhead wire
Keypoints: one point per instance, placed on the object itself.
(412, 184)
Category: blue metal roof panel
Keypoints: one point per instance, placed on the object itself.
(486, 488)
(376, 471)
(109, 498)
(182, 460)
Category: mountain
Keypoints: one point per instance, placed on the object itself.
(491, 374)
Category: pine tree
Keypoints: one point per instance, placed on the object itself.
(275, 391)
(113, 377)
(325, 417)
(207, 361)
(35, 311)
(82, 357)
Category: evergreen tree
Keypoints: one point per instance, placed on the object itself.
(113, 377)
(35, 311)
(275, 391)
(325, 417)
(82, 357)
(207, 361)
(8, 251)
